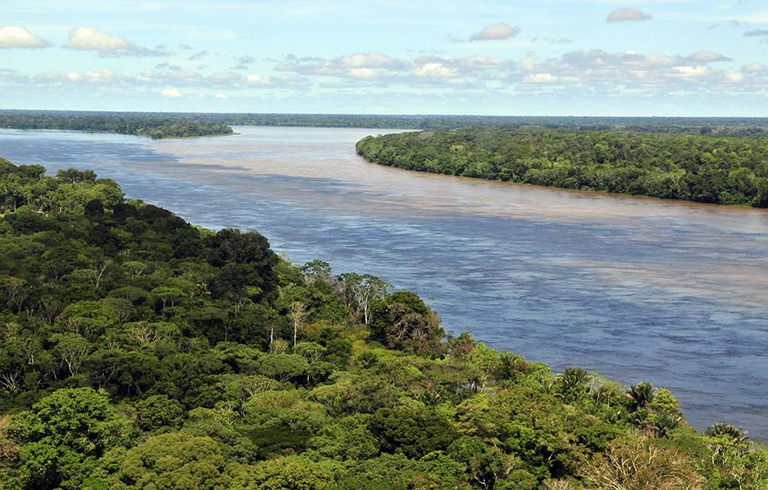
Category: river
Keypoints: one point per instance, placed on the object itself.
(637, 289)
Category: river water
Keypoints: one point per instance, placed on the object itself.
(636, 289)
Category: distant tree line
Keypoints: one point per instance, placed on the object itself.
(156, 127)
(138, 351)
(700, 168)
(128, 122)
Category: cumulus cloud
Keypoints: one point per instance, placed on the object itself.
(91, 38)
(434, 70)
(176, 77)
(94, 39)
(18, 37)
(173, 93)
(380, 69)
(706, 56)
(617, 73)
(734, 76)
(692, 71)
(540, 78)
(627, 15)
(359, 66)
(166, 82)
(363, 73)
(219, 80)
(580, 71)
(496, 31)
(372, 59)
(756, 33)
(254, 79)
(58, 77)
(754, 68)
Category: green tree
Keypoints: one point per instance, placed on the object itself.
(414, 431)
(175, 461)
(63, 436)
(158, 412)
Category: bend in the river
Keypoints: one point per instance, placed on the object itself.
(637, 289)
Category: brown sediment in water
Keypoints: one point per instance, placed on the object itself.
(251, 152)
(328, 154)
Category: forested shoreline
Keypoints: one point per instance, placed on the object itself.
(158, 126)
(214, 123)
(140, 351)
(718, 169)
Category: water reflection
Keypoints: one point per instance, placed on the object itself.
(638, 289)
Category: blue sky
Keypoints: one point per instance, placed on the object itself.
(550, 57)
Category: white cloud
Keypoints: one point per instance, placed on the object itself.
(93, 39)
(540, 78)
(707, 56)
(623, 72)
(57, 77)
(434, 70)
(497, 31)
(225, 78)
(372, 59)
(363, 73)
(627, 15)
(18, 37)
(482, 62)
(220, 96)
(359, 66)
(171, 92)
(175, 77)
(381, 69)
(754, 68)
(217, 81)
(529, 64)
(692, 71)
(660, 59)
(734, 76)
(258, 80)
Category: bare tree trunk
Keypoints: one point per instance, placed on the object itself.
(101, 273)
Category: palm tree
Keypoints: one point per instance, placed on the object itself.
(574, 383)
(736, 435)
(640, 396)
(575, 377)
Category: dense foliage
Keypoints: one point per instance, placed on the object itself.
(213, 123)
(710, 169)
(157, 126)
(140, 352)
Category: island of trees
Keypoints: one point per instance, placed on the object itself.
(155, 125)
(702, 168)
(139, 351)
